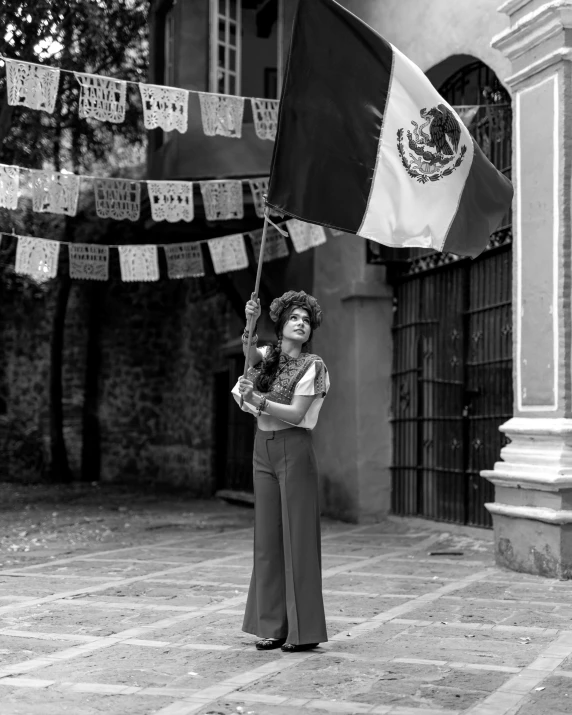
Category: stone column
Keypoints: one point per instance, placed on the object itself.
(532, 513)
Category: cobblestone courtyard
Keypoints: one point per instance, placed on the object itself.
(142, 614)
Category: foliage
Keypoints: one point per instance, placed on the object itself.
(107, 37)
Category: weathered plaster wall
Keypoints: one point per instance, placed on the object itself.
(430, 32)
(353, 437)
(24, 358)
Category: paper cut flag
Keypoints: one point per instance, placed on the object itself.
(165, 107)
(101, 98)
(89, 261)
(221, 115)
(184, 260)
(305, 235)
(171, 200)
(265, 112)
(9, 185)
(31, 85)
(276, 246)
(139, 263)
(259, 188)
(53, 192)
(228, 253)
(117, 198)
(37, 258)
(222, 200)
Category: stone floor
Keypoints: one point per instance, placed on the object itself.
(155, 627)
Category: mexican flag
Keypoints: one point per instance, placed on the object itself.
(367, 145)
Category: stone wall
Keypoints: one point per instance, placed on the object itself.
(159, 346)
(25, 328)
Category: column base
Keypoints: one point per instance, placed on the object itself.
(532, 512)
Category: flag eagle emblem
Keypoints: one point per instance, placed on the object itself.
(432, 147)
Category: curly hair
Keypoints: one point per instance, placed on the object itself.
(280, 310)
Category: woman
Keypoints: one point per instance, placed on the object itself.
(285, 388)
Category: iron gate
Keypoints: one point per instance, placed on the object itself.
(452, 372)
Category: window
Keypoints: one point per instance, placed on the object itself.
(261, 43)
(246, 47)
(226, 46)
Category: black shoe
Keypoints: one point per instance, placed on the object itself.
(270, 643)
(291, 648)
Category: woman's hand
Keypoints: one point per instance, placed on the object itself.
(253, 309)
(246, 389)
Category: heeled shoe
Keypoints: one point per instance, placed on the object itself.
(291, 648)
(270, 643)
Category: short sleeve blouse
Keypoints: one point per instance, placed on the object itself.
(306, 375)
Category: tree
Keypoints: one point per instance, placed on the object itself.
(106, 37)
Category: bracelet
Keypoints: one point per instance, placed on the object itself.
(261, 407)
(245, 338)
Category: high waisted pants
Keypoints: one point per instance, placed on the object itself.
(285, 595)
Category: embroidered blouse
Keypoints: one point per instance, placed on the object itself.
(304, 375)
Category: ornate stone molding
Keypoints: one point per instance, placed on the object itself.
(538, 456)
(564, 54)
(510, 7)
(548, 516)
(534, 28)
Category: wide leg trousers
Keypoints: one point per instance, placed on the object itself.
(285, 595)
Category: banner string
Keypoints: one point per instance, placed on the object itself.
(89, 177)
(200, 91)
(136, 84)
(12, 234)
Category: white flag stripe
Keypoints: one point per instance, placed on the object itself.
(403, 211)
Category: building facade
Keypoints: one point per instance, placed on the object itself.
(449, 377)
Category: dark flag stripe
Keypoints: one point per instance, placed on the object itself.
(486, 196)
(331, 117)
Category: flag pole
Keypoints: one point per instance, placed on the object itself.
(254, 296)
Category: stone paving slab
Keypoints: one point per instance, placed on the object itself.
(218, 575)
(380, 583)
(120, 567)
(471, 646)
(351, 607)
(157, 628)
(405, 684)
(168, 554)
(97, 620)
(38, 586)
(415, 567)
(175, 593)
(25, 701)
(17, 650)
(512, 613)
(555, 698)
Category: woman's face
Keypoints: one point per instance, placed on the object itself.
(297, 326)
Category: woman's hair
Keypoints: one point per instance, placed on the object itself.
(280, 311)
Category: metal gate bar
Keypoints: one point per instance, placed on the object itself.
(452, 386)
